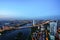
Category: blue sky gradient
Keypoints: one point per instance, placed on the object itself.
(29, 8)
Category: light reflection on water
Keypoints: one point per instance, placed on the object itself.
(10, 35)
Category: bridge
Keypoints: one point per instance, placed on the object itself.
(34, 25)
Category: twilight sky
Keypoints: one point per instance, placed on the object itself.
(29, 8)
